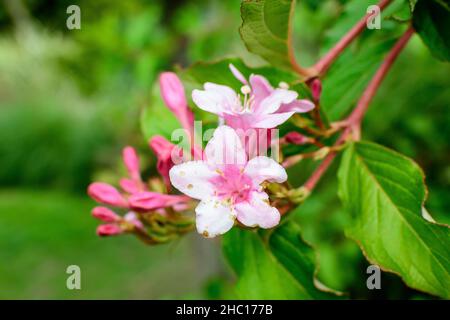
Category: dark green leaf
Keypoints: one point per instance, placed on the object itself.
(272, 265)
(431, 20)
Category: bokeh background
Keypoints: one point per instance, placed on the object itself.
(71, 99)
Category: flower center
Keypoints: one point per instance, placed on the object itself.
(232, 184)
(248, 99)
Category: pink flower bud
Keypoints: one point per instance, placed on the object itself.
(165, 151)
(131, 161)
(130, 186)
(104, 193)
(105, 214)
(295, 138)
(108, 230)
(153, 200)
(316, 89)
(172, 92)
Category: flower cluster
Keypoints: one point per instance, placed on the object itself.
(225, 183)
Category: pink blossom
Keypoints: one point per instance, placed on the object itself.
(263, 106)
(172, 92)
(228, 185)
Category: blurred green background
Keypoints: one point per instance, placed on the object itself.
(71, 99)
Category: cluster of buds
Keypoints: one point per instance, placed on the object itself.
(149, 210)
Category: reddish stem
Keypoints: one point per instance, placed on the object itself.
(328, 59)
(354, 120)
(363, 103)
(325, 164)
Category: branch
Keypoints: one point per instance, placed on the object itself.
(354, 119)
(323, 64)
(363, 103)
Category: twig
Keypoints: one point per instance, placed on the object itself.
(328, 59)
(354, 119)
(363, 103)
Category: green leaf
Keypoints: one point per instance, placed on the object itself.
(431, 20)
(156, 118)
(266, 30)
(272, 265)
(385, 192)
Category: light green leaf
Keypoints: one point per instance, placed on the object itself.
(385, 192)
(266, 30)
(431, 20)
(152, 114)
(272, 265)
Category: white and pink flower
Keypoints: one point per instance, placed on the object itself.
(228, 185)
(263, 107)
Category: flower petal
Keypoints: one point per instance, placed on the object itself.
(262, 168)
(225, 148)
(237, 74)
(217, 99)
(299, 106)
(269, 121)
(193, 179)
(258, 212)
(272, 103)
(261, 89)
(214, 217)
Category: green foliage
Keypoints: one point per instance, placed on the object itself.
(385, 194)
(272, 265)
(432, 22)
(266, 30)
(43, 232)
(349, 76)
(151, 116)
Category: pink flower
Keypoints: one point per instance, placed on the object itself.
(172, 92)
(228, 185)
(263, 106)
